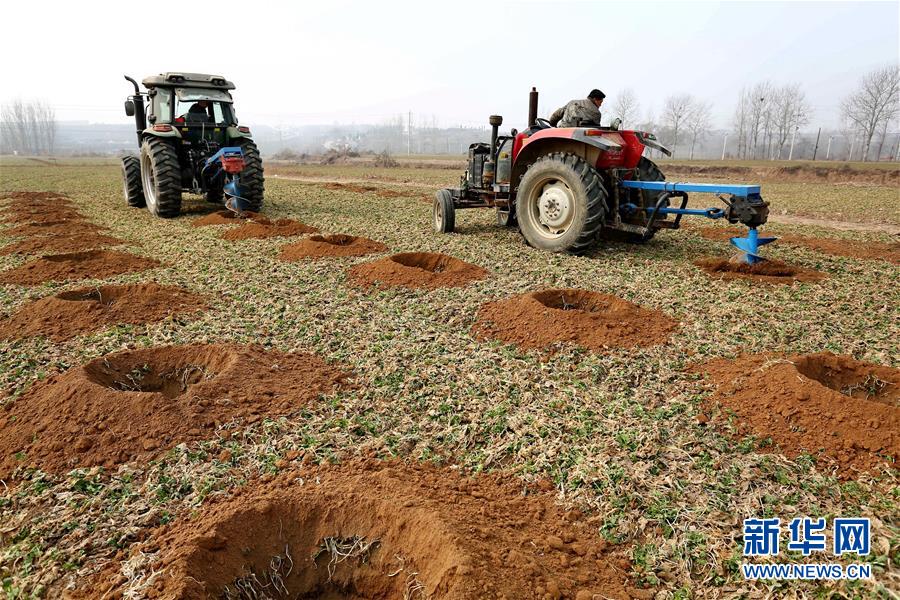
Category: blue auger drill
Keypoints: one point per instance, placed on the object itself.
(228, 163)
(743, 204)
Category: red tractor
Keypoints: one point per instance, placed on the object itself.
(568, 187)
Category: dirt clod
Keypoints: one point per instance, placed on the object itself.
(93, 264)
(321, 246)
(74, 312)
(588, 319)
(821, 404)
(130, 405)
(370, 529)
(769, 271)
(416, 270)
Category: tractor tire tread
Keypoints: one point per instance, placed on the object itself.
(131, 179)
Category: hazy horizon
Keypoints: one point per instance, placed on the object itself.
(351, 62)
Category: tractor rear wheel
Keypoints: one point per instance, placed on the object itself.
(131, 181)
(161, 176)
(443, 212)
(252, 182)
(561, 203)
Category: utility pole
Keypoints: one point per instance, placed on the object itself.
(816, 149)
(724, 144)
(828, 152)
(409, 134)
(793, 137)
(850, 156)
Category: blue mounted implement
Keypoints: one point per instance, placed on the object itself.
(743, 204)
(228, 163)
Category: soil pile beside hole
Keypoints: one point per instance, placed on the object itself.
(836, 247)
(34, 198)
(133, 405)
(93, 264)
(64, 227)
(60, 244)
(588, 319)
(71, 313)
(416, 270)
(827, 405)
(373, 529)
(226, 217)
(769, 271)
(320, 246)
(268, 229)
(66, 215)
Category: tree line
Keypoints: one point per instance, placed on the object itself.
(768, 117)
(28, 127)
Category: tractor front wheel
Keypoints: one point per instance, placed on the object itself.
(252, 182)
(561, 203)
(443, 214)
(131, 181)
(161, 176)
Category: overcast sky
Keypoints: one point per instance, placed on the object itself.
(364, 62)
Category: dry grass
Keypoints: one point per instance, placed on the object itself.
(616, 432)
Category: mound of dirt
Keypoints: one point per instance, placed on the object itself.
(132, 405)
(267, 229)
(35, 197)
(60, 244)
(320, 246)
(68, 215)
(588, 319)
(226, 217)
(836, 247)
(416, 270)
(74, 312)
(373, 529)
(769, 271)
(63, 227)
(823, 404)
(93, 264)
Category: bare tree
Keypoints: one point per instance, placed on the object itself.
(873, 103)
(791, 111)
(29, 127)
(760, 116)
(676, 110)
(698, 122)
(740, 123)
(627, 107)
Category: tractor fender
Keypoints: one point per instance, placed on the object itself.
(172, 133)
(233, 132)
(649, 140)
(587, 149)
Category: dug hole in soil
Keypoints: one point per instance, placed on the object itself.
(768, 271)
(370, 529)
(827, 405)
(416, 270)
(836, 247)
(592, 320)
(323, 246)
(59, 244)
(93, 264)
(67, 314)
(132, 405)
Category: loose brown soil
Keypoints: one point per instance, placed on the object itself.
(74, 312)
(68, 215)
(93, 264)
(769, 271)
(35, 198)
(836, 247)
(419, 532)
(134, 404)
(321, 246)
(64, 227)
(362, 189)
(416, 270)
(827, 405)
(268, 229)
(588, 319)
(226, 217)
(60, 244)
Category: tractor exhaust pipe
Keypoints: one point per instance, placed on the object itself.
(496, 121)
(532, 107)
(137, 105)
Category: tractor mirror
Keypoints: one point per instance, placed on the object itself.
(129, 108)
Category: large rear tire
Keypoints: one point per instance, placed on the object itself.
(252, 181)
(161, 177)
(561, 203)
(131, 182)
(443, 213)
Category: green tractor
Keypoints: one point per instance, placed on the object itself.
(190, 141)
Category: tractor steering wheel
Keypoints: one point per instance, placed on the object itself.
(544, 123)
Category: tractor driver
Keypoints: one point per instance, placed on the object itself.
(199, 111)
(577, 112)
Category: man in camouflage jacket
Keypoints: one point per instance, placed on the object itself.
(576, 112)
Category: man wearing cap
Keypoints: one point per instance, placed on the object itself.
(579, 112)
